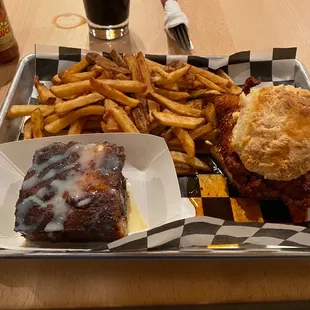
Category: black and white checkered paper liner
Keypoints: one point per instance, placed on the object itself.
(192, 232)
(203, 231)
(273, 67)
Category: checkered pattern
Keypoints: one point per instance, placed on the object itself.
(205, 231)
(275, 65)
(212, 196)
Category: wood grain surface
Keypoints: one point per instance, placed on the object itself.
(216, 27)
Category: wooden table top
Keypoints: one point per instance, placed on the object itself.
(216, 27)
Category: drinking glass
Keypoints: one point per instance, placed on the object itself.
(107, 19)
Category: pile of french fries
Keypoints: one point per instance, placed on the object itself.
(131, 94)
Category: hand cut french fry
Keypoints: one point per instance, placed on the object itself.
(172, 95)
(209, 84)
(51, 118)
(195, 103)
(56, 80)
(156, 128)
(47, 112)
(201, 93)
(176, 64)
(177, 74)
(176, 107)
(171, 86)
(186, 141)
(200, 131)
(58, 100)
(160, 71)
(234, 89)
(209, 146)
(145, 73)
(125, 86)
(28, 129)
(177, 120)
(173, 76)
(91, 58)
(118, 59)
(106, 74)
(155, 78)
(37, 123)
(210, 136)
(144, 108)
(77, 126)
(182, 169)
(189, 77)
(94, 68)
(214, 78)
(195, 133)
(112, 124)
(26, 110)
(67, 77)
(104, 126)
(188, 85)
(167, 134)
(210, 114)
(181, 158)
(40, 100)
(176, 148)
(79, 66)
(79, 102)
(46, 96)
(140, 119)
(153, 125)
(153, 106)
(133, 66)
(105, 63)
(127, 109)
(69, 118)
(151, 64)
(225, 76)
(71, 97)
(71, 89)
(60, 133)
(113, 94)
(121, 76)
(123, 120)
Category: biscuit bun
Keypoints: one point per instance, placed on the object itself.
(272, 133)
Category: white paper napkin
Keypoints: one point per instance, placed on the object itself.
(174, 16)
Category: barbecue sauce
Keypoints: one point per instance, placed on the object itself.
(8, 44)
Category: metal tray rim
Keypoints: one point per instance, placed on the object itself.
(208, 254)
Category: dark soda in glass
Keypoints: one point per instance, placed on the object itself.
(107, 19)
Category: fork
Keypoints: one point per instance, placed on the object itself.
(180, 34)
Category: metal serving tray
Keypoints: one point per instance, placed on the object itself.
(10, 130)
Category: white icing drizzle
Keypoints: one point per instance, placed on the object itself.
(84, 202)
(90, 157)
(42, 192)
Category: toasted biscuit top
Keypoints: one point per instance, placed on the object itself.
(272, 133)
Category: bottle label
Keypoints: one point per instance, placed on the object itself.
(6, 35)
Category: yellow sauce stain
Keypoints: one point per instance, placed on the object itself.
(135, 221)
(68, 21)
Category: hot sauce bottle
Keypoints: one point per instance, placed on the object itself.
(8, 44)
